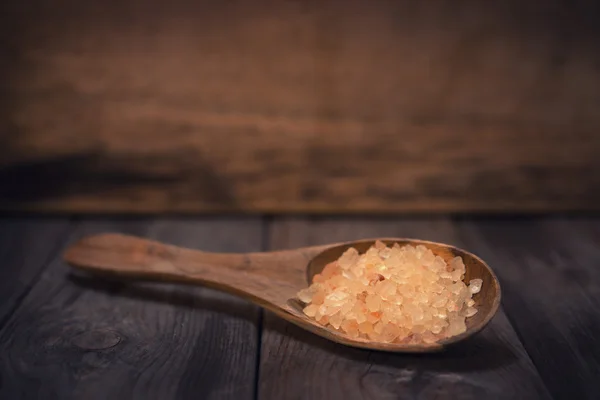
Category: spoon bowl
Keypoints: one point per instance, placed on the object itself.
(269, 279)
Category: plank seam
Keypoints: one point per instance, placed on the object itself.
(265, 240)
(509, 318)
(533, 362)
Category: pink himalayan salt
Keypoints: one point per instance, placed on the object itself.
(400, 294)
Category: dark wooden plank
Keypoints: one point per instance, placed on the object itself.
(549, 268)
(297, 365)
(322, 106)
(27, 245)
(83, 339)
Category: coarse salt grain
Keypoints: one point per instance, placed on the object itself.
(475, 285)
(397, 294)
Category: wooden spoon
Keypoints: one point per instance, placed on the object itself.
(269, 279)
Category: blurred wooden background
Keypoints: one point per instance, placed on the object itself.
(299, 106)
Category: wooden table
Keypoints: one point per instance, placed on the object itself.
(64, 336)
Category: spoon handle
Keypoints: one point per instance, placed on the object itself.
(260, 277)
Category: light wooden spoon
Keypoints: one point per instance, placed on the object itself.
(269, 279)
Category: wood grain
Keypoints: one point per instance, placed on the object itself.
(330, 106)
(78, 338)
(27, 245)
(551, 282)
(492, 365)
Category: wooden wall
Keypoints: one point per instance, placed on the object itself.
(299, 106)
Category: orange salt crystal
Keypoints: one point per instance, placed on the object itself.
(419, 328)
(379, 245)
(311, 310)
(373, 317)
(378, 327)
(429, 337)
(365, 327)
(336, 320)
(350, 327)
(347, 307)
(318, 298)
(389, 332)
(360, 312)
(373, 302)
(361, 317)
(330, 270)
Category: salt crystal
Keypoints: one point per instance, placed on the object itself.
(379, 245)
(385, 253)
(475, 285)
(464, 295)
(456, 275)
(330, 270)
(336, 320)
(437, 288)
(457, 264)
(373, 317)
(365, 327)
(439, 301)
(349, 326)
(422, 297)
(427, 315)
(407, 323)
(389, 332)
(373, 302)
(428, 259)
(323, 310)
(395, 300)
(456, 287)
(348, 258)
(332, 310)
(348, 275)
(336, 297)
(470, 312)
(429, 337)
(386, 288)
(347, 307)
(404, 332)
(310, 310)
(361, 317)
(439, 264)
(393, 261)
(418, 329)
(305, 295)
(457, 327)
(318, 297)
(452, 306)
(415, 313)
